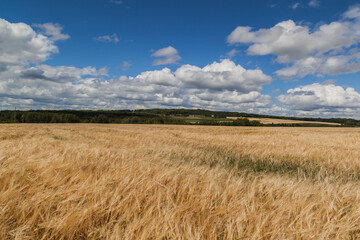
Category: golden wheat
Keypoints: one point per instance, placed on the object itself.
(178, 182)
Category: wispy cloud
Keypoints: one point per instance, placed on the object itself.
(295, 6)
(126, 65)
(118, 2)
(108, 38)
(232, 53)
(53, 30)
(314, 3)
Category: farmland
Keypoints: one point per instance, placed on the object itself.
(93, 181)
(285, 121)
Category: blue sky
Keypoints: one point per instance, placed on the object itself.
(276, 57)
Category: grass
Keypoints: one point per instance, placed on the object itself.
(88, 181)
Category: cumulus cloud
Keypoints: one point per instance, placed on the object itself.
(20, 45)
(108, 38)
(53, 30)
(331, 65)
(225, 75)
(45, 84)
(310, 51)
(168, 55)
(230, 100)
(292, 42)
(322, 99)
(163, 77)
(166, 88)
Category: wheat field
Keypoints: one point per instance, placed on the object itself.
(89, 181)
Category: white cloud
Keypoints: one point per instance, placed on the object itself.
(230, 100)
(168, 55)
(309, 51)
(20, 45)
(225, 75)
(292, 42)
(108, 38)
(353, 12)
(322, 99)
(330, 65)
(314, 3)
(163, 77)
(53, 30)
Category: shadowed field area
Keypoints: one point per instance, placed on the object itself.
(88, 181)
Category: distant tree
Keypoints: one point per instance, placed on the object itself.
(53, 119)
(100, 119)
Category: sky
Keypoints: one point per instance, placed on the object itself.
(277, 57)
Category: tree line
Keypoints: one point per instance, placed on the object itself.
(149, 116)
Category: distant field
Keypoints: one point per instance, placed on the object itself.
(286, 121)
(92, 181)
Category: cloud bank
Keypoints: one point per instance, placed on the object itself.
(322, 99)
(28, 82)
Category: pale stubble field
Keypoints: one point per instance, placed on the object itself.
(89, 181)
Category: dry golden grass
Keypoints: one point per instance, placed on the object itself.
(178, 182)
(286, 121)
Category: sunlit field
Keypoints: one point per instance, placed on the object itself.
(77, 181)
